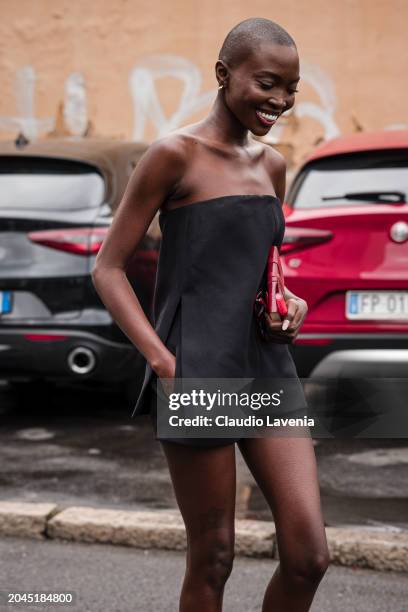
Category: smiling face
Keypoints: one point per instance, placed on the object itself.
(263, 86)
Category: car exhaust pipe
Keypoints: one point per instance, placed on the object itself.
(81, 360)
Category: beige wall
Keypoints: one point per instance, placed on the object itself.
(119, 67)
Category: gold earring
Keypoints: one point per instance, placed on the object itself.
(221, 86)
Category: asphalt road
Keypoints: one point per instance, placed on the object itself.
(121, 579)
(76, 448)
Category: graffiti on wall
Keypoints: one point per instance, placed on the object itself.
(75, 106)
(146, 101)
(147, 105)
(24, 120)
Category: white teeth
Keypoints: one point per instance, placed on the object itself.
(268, 117)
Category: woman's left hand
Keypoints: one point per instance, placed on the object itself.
(285, 330)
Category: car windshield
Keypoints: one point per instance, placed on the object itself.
(28, 183)
(347, 180)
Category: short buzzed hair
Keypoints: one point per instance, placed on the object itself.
(247, 35)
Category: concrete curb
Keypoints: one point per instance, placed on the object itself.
(357, 546)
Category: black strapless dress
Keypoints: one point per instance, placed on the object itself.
(212, 260)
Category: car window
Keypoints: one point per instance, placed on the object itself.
(28, 183)
(322, 182)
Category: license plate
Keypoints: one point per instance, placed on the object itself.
(5, 302)
(390, 305)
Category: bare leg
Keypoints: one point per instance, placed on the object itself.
(285, 470)
(204, 481)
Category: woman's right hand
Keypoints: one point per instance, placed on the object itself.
(166, 371)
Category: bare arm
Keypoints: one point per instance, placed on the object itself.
(297, 307)
(156, 175)
(277, 172)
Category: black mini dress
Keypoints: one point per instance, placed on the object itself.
(212, 260)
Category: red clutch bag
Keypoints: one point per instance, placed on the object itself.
(270, 297)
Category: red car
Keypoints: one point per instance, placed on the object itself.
(346, 252)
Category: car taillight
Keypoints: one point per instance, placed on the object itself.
(45, 337)
(79, 241)
(297, 238)
(313, 341)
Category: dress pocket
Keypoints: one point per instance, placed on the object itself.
(178, 364)
(174, 339)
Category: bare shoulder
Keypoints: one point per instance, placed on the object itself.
(161, 168)
(274, 159)
(173, 148)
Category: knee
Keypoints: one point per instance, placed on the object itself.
(308, 568)
(214, 563)
(219, 566)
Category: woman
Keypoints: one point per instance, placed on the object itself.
(209, 178)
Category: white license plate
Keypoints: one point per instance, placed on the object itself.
(5, 302)
(390, 305)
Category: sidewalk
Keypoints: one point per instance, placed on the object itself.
(357, 546)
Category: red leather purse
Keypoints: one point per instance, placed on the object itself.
(270, 297)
